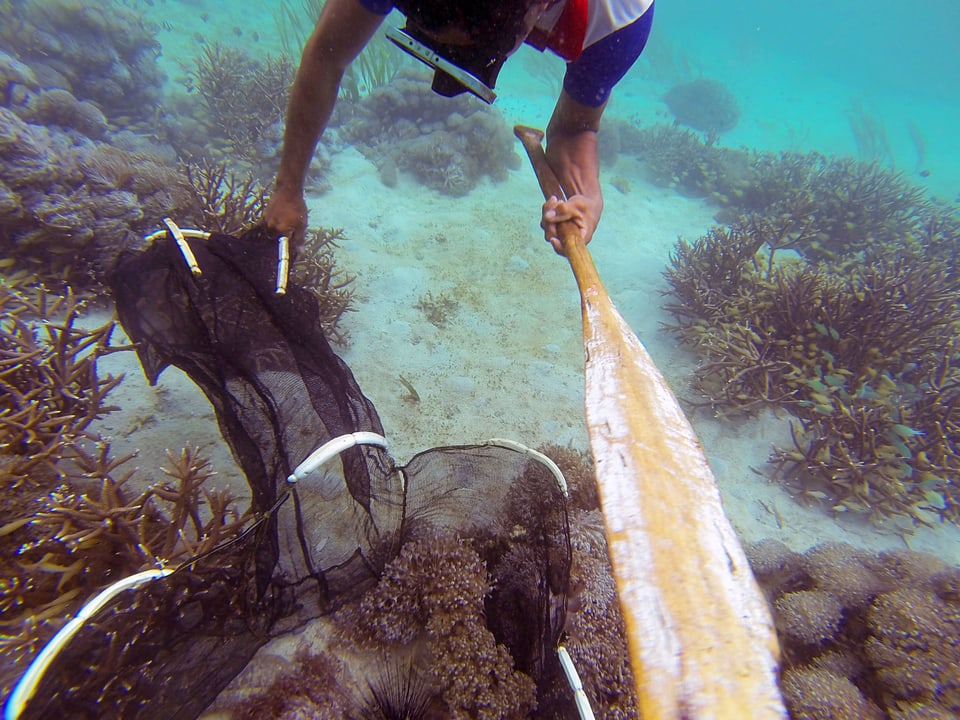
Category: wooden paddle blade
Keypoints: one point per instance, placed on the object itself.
(699, 632)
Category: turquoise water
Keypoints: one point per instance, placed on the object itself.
(803, 76)
(802, 66)
(796, 70)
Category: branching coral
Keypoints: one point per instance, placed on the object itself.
(678, 158)
(862, 351)
(245, 98)
(316, 269)
(70, 523)
(52, 390)
(825, 208)
(226, 202)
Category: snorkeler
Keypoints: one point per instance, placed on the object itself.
(466, 43)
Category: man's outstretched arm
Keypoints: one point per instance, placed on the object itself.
(572, 153)
(342, 31)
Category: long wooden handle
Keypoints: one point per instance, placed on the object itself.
(699, 632)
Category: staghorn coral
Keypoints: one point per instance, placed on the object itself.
(52, 390)
(315, 268)
(823, 207)
(678, 158)
(244, 98)
(70, 523)
(863, 354)
(225, 202)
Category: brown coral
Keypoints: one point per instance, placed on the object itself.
(913, 647)
(433, 592)
(808, 617)
(70, 524)
(436, 577)
(595, 630)
(817, 694)
(838, 570)
(899, 647)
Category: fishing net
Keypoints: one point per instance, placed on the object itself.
(165, 649)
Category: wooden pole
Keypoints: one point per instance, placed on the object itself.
(701, 640)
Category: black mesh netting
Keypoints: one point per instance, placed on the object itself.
(279, 391)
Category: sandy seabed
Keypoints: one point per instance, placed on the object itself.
(501, 355)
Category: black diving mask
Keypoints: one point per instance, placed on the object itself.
(457, 68)
(469, 66)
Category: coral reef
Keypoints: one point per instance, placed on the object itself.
(875, 635)
(312, 690)
(678, 158)
(105, 54)
(315, 268)
(70, 522)
(703, 104)
(448, 144)
(860, 349)
(595, 628)
(226, 203)
(425, 641)
(244, 101)
(71, 204)
(434, 592)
